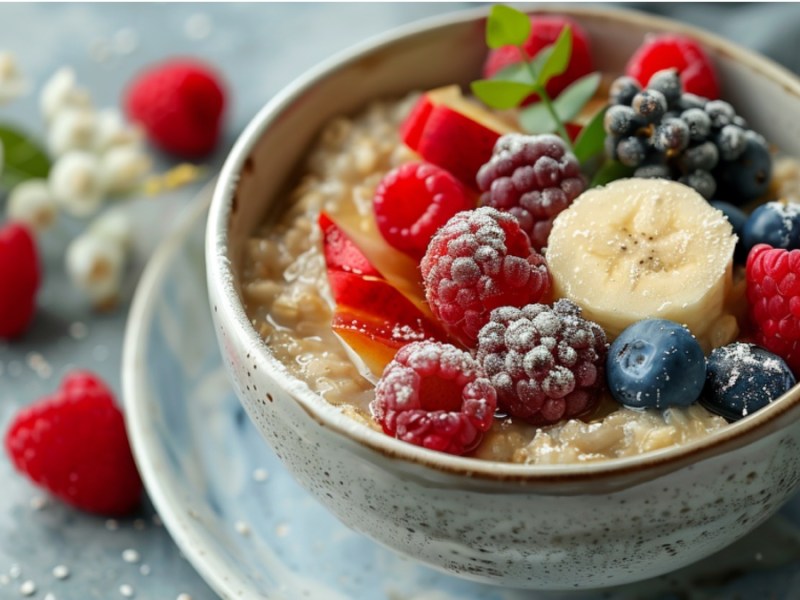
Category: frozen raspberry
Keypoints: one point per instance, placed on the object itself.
(19, 279)
(73, 443)
(667, 51)
(545, 30)
(180, 104)
(436, 396)
(533, 177)
(546, 364)
(773, 294)
(480, 260)
(413, 201)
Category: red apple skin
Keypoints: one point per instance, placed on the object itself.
(341, 254)
(373, 343)
(414, 124)
(456, 143)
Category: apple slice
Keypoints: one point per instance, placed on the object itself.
(452, 132)
(341, 254)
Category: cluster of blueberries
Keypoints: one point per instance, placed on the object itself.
(662, 132)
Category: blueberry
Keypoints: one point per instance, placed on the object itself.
(773, 223)
(650, 105)
(747, 177)
(655, 363)
(668, 83)
(672, 136)
(737, 219)
(631, 151)
(702, 182)
(621, 120)
(699, 123)
(742, 378)
(623, 89)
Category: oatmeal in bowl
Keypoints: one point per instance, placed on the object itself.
(451, 317)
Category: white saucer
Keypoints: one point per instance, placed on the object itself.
(252, 532)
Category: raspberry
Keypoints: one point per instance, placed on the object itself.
(773, 294)
(436, 396)
(532, 177)
(480, 260)
(180, 104)
(19, 279)
(547, 364)
(544, 32)
(73, 443)
(413, 201)
(667, 51)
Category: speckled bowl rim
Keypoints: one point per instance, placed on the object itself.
(777, 415)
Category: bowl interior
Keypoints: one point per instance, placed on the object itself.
(267, 157)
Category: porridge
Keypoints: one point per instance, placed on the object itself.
(336, 287)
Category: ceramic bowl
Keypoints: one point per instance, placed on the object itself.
(546, 527)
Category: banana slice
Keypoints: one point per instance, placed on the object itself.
(641, 248)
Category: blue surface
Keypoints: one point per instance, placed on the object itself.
(259, 48)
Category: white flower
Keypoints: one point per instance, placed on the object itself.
(12, 84)
(123, 168)
(112, 130)
(61, 92)
(113, 225)
(72, 129)
(75, 183)
(95, 265)
(32, 203)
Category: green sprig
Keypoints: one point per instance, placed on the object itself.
(23, 158)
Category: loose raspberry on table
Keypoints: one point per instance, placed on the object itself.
(413, 201)
(20, 277)
(534, 178)
(73, 443)
(547, 364)
(773, 294)
(435, 396)
(479, 260)
(180, 104)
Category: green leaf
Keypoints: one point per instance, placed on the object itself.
(507, 27)
(610, 171)
(501, 94)
(591, 138)
(536, 119)
(571, 101)
(23, 158)
(517, 72)
(558, 58)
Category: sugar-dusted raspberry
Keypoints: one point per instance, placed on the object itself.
(436, 396)
(413, 201)
(533, 177)
(480, 260)
(547, 364)
(773, 294)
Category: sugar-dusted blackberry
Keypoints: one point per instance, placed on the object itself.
(746, 178)
(621, 120)
(699, 123)
(739, 121)
(703, 156)
(702, 181)
(622, 90)
(668, 83)
(720, 112)
(688, 101)
(653, 171)
(610, 146)
(547, 364)
(533, 177)
(650, 105)
(631, 151)
(671, 136)
(731, 142)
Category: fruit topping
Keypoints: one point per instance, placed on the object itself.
(737, 218)
(665, 51)
(481, 260)
(545, 30)
(546, 363)
(742, 378)
(774, 223)
(533, 177)
(413, 201)
(19, 279)
(655, 363)
(453, 133)
(643, 248)
(773, 293)
(341, 254)
(180, 104)
(73, 443)
(436, 396)
(661, 132)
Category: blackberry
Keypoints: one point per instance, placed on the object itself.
(631, 151)
(650, 105)
(731, 142)
(747, 177)
(622, 91)
(668, 83)
(671, 136)
(720, 112)
(653, 171)
(688, 101)
(621, 120)
(702, 181)
(704, 156)
(699, 123)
